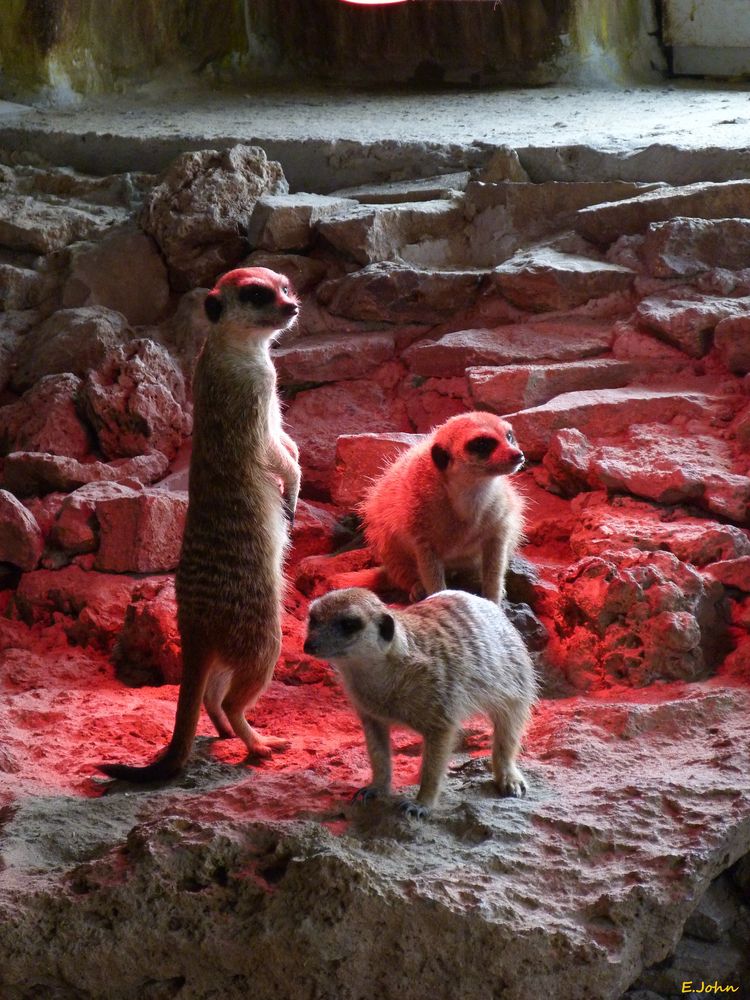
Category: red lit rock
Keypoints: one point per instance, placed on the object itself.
(516, 387)
(46, 419)
(332, 358)
(315, 418)
(124, 272)
(71, 340)
(604, 412)
(431, 401)
(360, 458)
(76, 529)
(732, 572)
(136, 402)
(397, 293)
(199, 212)
(315, 530)
(568, 465)
(282, 222)
(317, 574)
(36, 473)
(646, 350)
(185, 332)
(543, 279)
(21, 541)
(732, 342)
(549, 340)
(148, 649)
(680, 246)
(686, 323)
(140, 532)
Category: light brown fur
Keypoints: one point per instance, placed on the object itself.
(428, 667)
(442, 508)
(229, 581)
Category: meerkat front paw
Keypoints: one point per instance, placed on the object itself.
(512, 784)
(366, 794)
(412, 810)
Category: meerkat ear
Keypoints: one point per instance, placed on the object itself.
(440, 457)
(387, 627)
(213, 306)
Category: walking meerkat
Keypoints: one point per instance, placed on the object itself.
(428, 667)
(229, 580)
(446, 506)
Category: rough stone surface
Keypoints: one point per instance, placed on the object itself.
(21, 541)
(514, 343)
(123, 272)
(396, 192)
(732, 572)
(303, 272)
(360, 458)
(71, 340)
(687, 322)
(732, 342)
(76, 528)
(136, 402)
(316, 529)
(516, 387)
(283, 222)
(46, 419)
(199, 212)
(36, 473)
(332, 358)
(148, 648)
(141, 532)
(43, 226)
(681, 247)
(543, 279)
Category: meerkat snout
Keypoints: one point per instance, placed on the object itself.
(491, 453)
(348, 624)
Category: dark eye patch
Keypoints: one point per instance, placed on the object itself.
(351, 624)
(481, 446)
(256, 295)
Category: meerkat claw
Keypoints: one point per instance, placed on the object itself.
(365, 795)
(413, 810)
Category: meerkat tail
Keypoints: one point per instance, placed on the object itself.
(173, 759)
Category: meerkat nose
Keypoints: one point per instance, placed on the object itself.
(289, 308)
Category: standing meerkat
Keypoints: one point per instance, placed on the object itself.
(446, 505)
(229, 581)
(428, 667)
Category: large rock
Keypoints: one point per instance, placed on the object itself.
(76, 528)
(332, 358)
(632, 617)
(71, 340)
(316, 417)
(604, 412)
(123, 272)
(137, 403)
(516, 387)
(46, 419)
(21, 541)
(515, 343)
(21, 287)
(705, 200)
(732, 342)
(686, 321)
(398, 293)
(682, 247)
(148, 649)
(397, 192)
(288, 221)
(36, 473)
(431, 401)
(185, 332)
(13, 325)
(360, 458)
(140, 532)
(543, 279)
(303, 272)
(40, 227)
(200, 211)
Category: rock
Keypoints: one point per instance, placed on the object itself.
(332, 358)
(360, 458)
(369, 234)
(568, 464)
(316, 530)
(604, 412)
(140, 532)
(282, 222)
(43, 226)
(681, 247)
(13, 325)
(636, 617)
(561, 340)
(92, 605)
(316, 575)
(732, 342)
(148, 650)
(431, 401)
(686, 323)
(76, 529)
(46, 419)
(123, 272)
(397, 192)
(71, 340)
(200, 211)
(124, 190)
(516, 387)
(629, 524)
(633, 344)
(34, 473)
(397, 293)
(184, 333)
(543, 279)
(136, 402)
(695, 964)
(716, 912)
(732, 570)
(21, 541)
(20, 287)
(705, 200)
(303, 272)
(503, 165)
(316, 416)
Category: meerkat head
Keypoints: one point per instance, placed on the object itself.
(252, 301)
(480, 444)
(348, 624)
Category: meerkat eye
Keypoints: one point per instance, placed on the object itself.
(351, 624)
(256, 295)
(285, 289)
(482, 446)
(511, 437)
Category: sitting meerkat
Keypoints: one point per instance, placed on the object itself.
(445, 505)
(428, 667)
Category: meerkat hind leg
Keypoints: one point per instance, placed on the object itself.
(438, 748)
(216, 689)
(505, 746)
(244, 690)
